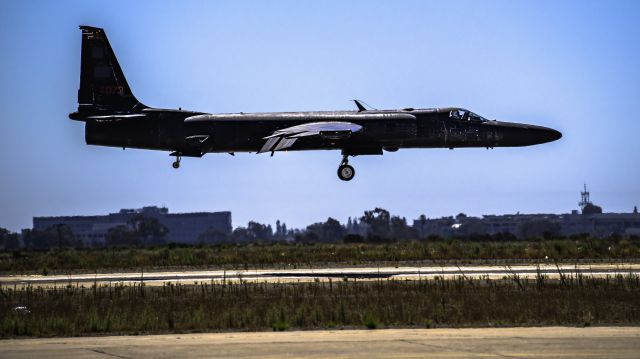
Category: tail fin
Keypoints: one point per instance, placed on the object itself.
(103, 86)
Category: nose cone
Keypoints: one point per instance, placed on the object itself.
(545, 134)
(518, 134)
(528, 135)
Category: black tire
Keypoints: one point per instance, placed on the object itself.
(346, 172)
(176, 165)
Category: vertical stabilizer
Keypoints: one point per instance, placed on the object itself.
(103, 87)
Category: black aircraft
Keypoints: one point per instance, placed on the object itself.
(114, 117)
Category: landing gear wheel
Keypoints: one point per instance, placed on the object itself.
(176, 164)
(346, 172)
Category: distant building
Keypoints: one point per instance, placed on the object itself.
(601, 224)
(183, 227)
(591, 221)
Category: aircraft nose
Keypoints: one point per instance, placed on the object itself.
(521, 134)
(545, 134)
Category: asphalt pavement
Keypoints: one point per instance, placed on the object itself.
(550, 342)
(323, 274)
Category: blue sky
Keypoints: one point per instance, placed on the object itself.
(570, 65)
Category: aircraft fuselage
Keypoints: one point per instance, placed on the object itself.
(114, 117)
(244, 132)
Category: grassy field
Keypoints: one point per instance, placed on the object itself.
(73, 311)
(279, 255)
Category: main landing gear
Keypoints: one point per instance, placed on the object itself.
(346, 172)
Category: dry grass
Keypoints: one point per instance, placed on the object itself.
(73, 311)
(279, 255)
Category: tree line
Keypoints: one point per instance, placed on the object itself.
(374, 226)
(377, 225)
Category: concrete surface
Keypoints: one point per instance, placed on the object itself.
(299, 275)
(550, 342)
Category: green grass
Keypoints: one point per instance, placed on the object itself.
(278, 255)
(117, 309)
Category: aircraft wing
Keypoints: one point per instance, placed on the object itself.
(286, 137)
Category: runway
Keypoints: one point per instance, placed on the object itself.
(550, 342)
(324, 274)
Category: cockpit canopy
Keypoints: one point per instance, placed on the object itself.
(465, 115)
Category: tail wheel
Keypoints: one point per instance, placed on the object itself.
(346, 172)
(176, 164)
